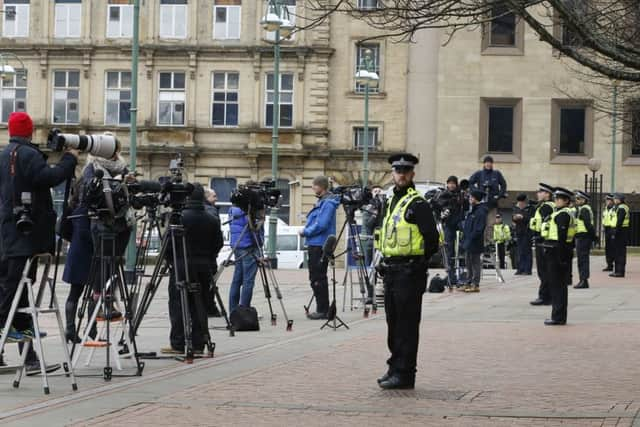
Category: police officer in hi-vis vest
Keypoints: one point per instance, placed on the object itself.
(585, 235)
(620, 235)
(557, 245)
(502, 236)
(608, 222)
(407, 239)
(543, 213)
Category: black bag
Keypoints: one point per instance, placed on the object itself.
(437, 284)
(64, 225)
(245, 319)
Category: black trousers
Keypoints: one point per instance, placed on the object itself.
(556, 262)
(403, 290)
(620, 250)
(583, 250)
(501, 254)
(318, 277)
(198, 319)
(525, 255)
(544, 293)
(609, 249)
(10, 275)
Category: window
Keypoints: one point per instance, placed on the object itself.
(284, 206)
(118, 98)
(119, 20)
(68, 18)
(635, 131)
(226, 19)
(631, 132)
(14, 94)
(171, 99)
(504, 33)
(224, 111)
(291, 8)
(566, 35)
(173, 19)
(501, 128)
(375, 63)
(358, 138)
(66, 97)
(286, 100)
(572, 130)
(16, 18)
(223, 188)
(368, 4)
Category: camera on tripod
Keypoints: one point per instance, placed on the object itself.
(254, 197)
(24, 223)
(353, 196)
(107, 199)
(442, 202)
(105, 145)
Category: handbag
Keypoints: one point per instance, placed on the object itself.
(245, 319)
(64, 225)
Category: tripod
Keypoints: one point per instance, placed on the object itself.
(444, 253)
(333, 321)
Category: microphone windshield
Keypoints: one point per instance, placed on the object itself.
(329, 246)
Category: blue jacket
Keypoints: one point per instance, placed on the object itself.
(239, 221)
(492, 180)
(473, 229)
(321, 220)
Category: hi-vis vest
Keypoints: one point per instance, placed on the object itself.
(535, 223)
(581, 226)
(627, 216)
(609, 217)
(501, 233)
(397, 236)
(550, 228)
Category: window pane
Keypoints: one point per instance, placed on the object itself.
(223, 187)
(166, 21)
(219, 97)
(221, 15)
(572, 130)
(270, 81)
(125, 95)
(286, 98)
(503, 27)
(60, 79)
(287, 82)
(232, 80)
(59, 111)
(73, 113)
(232, 96)
(112, 113)
(7, 108)
(234, 23)
(178, 80)
(635, 132)
(232, 114)
(286, 118)
(218, 115)
(125, 79)
(127, 21)
(73, 94)
(501, 129)
(181, 21)
(165, 80)
(112, 79)
(218, 80)
(125, 113)
(74, 78)
(164, 113)
(178, 114)
(114, 13)
(269, 115)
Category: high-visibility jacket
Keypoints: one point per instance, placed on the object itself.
(501, 233)
(397, 236)
(627, 216)
(581, 226)
(550, 228)
(609, 217)
(535, 223)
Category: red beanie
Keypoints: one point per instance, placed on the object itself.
(20, 124)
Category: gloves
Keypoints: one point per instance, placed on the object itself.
(380, 269)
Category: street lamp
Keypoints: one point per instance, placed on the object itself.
(367, 77)
(276, 19)
(6, 70)
(594, 187)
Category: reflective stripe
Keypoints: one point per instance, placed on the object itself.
(581, 226)
(536, 222)
(399, 237)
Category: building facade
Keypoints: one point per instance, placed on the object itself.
(205, 88)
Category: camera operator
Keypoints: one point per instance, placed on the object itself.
(522, 213)
(210, 199)
(24, 169)
(372, 219)
(321, 223)
(451, 216)
(204, 241)
(492, 183)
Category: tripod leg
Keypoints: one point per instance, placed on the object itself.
(267, 291)
(276, 286)
(308, 306)
(223, 310)
(127, 321)
(202, 318)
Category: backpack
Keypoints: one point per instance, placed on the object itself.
(245, 319)
(437, 284)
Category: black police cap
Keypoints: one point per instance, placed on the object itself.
(582, 195)
(563, 192)
(406, 160)
(545, 187)
(618, 196)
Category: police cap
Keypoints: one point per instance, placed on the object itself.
(581, 195)
(545, 187)
(562, 192)
(609, 196)
(618, 196)
(403, 161)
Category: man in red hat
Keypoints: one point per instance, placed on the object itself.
(25, 198)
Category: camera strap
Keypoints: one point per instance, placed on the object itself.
(13, 170)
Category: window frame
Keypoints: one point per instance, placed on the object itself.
(374, 132)
(516, 145)
(630, 107)
(119, 89)
(173, 103)
(66, 88)
(226, 90)
(557, 104)
(487, 48)
(173, 7)
(15, 88)
(19, 12)
(292, 103)
(214, 23)
(67, 6)
(377, 60)
(362, 6)
(120, 21)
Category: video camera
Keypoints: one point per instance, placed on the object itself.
(107, 199)
(353, 196)
(442, 202)
(105, 146)
(254, 197)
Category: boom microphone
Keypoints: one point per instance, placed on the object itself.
(329, 247)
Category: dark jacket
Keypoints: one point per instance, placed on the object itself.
(473, 229)
(32, 174)
(321, 220)
(455, 204)
(203, 235)
(522, 230)
(491, 180)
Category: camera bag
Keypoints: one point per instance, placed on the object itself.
(437, 284)
(245, 319)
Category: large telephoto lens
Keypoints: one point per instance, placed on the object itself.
(105, 146)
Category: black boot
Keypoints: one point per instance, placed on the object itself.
(584, 284)
(70, 334)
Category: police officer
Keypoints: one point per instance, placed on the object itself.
(557, 245)
(408, 238)
(585, 235)
(620, 235)
(543, 213)
(608, 221)
(502, 236)
(522, 214)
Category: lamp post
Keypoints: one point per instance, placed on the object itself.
(6, 70)
(276, 19)
(614, 122)
(367, 77)
(595, 189)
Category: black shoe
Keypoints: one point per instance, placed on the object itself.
(517, 273)
(71, 336)
(584, 284)
(385, 377)
(368, 301)
(551, 322)
(33, 368)
(396, 382)
(317, 316)
(616, 275)
(539, 301)
(607, 269)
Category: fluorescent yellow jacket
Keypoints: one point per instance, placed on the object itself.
(501, 233)
(397, 236)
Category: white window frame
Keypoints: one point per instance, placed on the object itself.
(20, 20)
(363, 5)
(117, 90)
(358, 134)
(68, 31)
(8, 91)
(123, 31)
(57, 90)
(173, 102)
(164, 32)
(226, 91)
(292, 103)
(377, 50)
(227, 32)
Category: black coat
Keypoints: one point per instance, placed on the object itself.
(489, 181)
(473, 229)
(203, 235)
(32, 174)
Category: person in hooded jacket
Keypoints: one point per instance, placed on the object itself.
(473, 231)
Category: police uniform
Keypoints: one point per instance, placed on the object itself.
(501, 235)
(407, 239)
(585, 234)
(620, 236)
(608, 222)
(544, 210)
(557, 245)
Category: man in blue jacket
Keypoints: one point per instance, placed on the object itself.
(473, 240)
(321, 223)
(491, 182)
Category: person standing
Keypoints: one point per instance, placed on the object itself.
(557, 244)
(502, 236)
(522, 214)
(608, 221)
(408, 239)
(543, 213)
(491, 182)
(321, 223)
(585, 235)
(473, 240)
(620, 235)
(451, 218)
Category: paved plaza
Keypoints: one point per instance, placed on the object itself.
(485, 360)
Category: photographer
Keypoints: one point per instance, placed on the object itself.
(24, 169)
(204, 241)
(522, 213)
(492, 183)
(321, 223)
(372, 219)
(451, 215)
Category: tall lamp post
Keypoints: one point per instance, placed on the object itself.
(593, 186)
(276, 19)
(367, 77)
(6, 70)
(614, 122)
